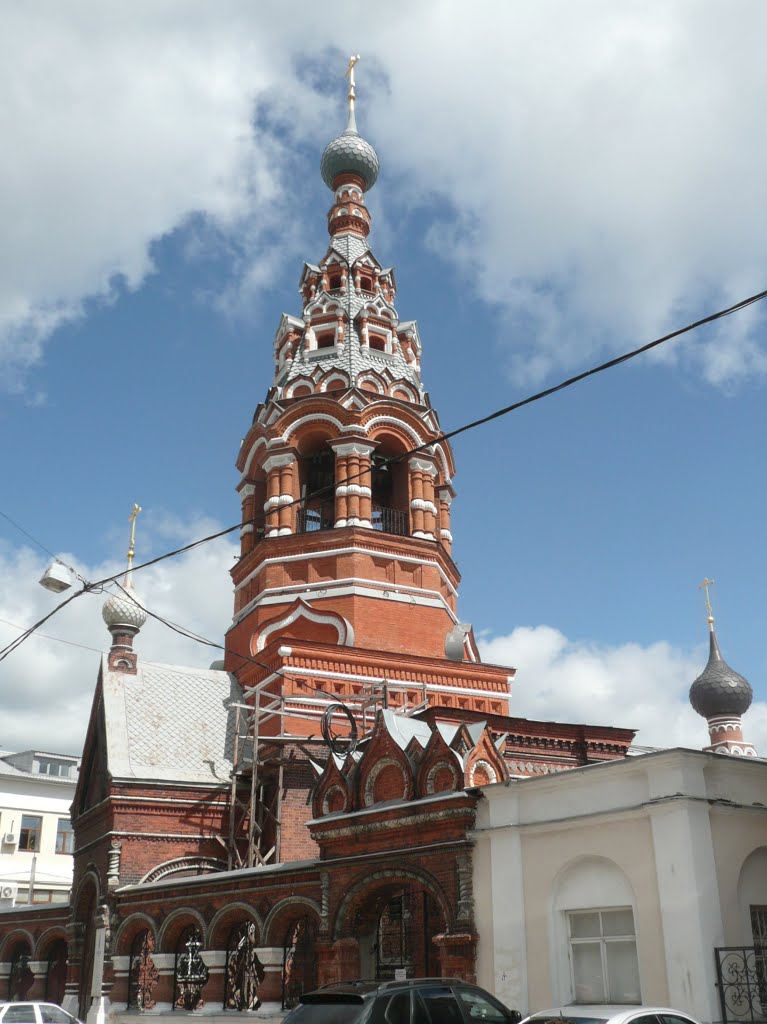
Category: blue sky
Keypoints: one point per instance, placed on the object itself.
(554, 190)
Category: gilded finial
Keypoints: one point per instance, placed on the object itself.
(131, 547)
(352, 125)
(704, 586)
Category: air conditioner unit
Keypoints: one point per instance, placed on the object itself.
(10, 838)
(8, 890)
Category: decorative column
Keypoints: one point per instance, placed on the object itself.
(422, 508)
(75, 933)
(276, 519)
(247, 530)
(353, 483)
(99, 1009)
(288, 495)
(445, 537)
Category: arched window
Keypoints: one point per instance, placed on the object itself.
(389, 492)
(244, 971)
(190, 974)
(317, 475)
(142, 972)
(56, 972)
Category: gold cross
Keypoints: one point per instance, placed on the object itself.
(704, 586)
(132, 520)
(350, 75)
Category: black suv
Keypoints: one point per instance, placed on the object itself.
(416, 1001)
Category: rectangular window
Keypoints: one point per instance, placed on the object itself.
(29, 836)
(603, 956)
(65, 839)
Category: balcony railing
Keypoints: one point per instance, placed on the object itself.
(322, 517)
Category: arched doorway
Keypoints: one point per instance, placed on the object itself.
(395, 928)
(56, 972)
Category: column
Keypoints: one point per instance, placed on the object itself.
(423, 511)
(247, 530)
(688, 888)
(279, 491)
(99, 1009)
(353, 483)
(444, 536)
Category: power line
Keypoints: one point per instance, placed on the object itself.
(546, 393)
(27, 534)
(58, 639)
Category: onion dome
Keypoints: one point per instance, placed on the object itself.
(122, 610)
(350, 153)
(720, 690)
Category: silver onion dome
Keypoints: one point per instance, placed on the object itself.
(350, 153)
(719, 689)
(122, 610)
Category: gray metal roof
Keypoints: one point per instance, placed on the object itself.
(170, 723)
(719, 689)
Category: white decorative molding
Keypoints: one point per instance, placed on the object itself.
(317, 417)
(491, 772)
(353, 549)
(423, 535)
(342, 489)
(247, 528)
(352, 448)
(277, 461)
(446, 535)
(446, 496)
(423, 465)
(304, 611)
(427, 506)
(247, 490)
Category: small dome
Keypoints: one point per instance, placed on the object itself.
(122, 610)
(719, 690)
(350, 153)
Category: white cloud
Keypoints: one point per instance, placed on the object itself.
(48, 686)
(602, 161)
(627, 685)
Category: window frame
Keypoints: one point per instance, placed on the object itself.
(68, 834)
(25, 831)
(604, 941)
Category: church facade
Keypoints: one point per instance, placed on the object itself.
(305, 811)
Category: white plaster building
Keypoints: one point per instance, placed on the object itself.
(36, 840)
(616, 882)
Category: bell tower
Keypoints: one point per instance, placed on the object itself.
(345, 577)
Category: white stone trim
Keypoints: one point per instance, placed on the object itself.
(352, 448)
(278, 499)
(424, 465)
(396, 423)
(446, 535)
(278, 460)
(247, 490)
(304, 611)
(247, 528)
(342, 489)
(316, 417)
(258, 443)
(353, 550)
(427, 506)
(423, 535)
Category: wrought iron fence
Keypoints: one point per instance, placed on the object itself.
(322, 517)
(389, 520)
(741, 973)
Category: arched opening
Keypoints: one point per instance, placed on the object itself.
(244, 971)
(389, 488)
(56, 972)
(142, 972)
(299, 960)
(595, 943)
(20, 977)
(190, 974)
(395, 927)
(316, 476)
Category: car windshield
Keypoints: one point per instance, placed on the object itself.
(328, 1012)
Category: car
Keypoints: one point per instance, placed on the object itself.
(415, 1001)
(31, 1011)
(610, 1014)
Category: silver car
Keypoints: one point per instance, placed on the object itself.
(606, 1014)
(34, 1012)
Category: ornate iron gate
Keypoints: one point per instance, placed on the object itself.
(142, 972)
(741, 974)
(299, 962)
(244, 971)
(403, 936)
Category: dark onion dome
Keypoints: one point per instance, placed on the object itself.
(719, 690)
(351, 154)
